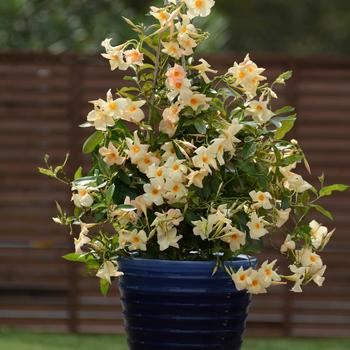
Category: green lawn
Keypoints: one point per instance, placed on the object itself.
(35, 341)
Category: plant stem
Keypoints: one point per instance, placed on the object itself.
(154, 85)
(156, 71)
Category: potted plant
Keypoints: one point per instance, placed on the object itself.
(179, 207)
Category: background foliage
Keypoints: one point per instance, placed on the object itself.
(296, 27)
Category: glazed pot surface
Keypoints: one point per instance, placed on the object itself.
(171, 305)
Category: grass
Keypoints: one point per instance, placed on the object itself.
(37, 341)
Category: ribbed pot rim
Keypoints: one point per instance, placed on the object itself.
(238, 259)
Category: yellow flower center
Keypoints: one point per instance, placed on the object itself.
(241, 74)
(254, 81)
(136, 240)
(186, 43)
(176, 188)
(259, 108)
(135, 55)
(198, 4)
(205, 159)
(82, 192)
(135, 149)
(178, 85)
(261, 197)
(112, 105)
(176, 167)
(193, 101)
(242, 277)
(155, 191)
(268, 272)
(163, 16)
(132, 109)
(313, 258)
(255, 283)
(115, 58)
(175, 110)
(257, 226)
(159, 172)
(234, 237)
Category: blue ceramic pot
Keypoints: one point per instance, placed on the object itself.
(173, 305)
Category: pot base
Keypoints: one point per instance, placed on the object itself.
(172, 305)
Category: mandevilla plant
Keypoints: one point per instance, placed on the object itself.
(206, 175)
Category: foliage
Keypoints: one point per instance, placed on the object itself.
(208, 174)
(298, 28)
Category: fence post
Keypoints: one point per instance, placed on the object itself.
(73, 115)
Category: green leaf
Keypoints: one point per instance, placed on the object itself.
(303, 232)
(126, 207)
(92, 141)
(277, 154)
(129, 78)
(75, 257)
(98, 206)
(200, 126)
(307, 165)
(327, 191)
(321, 179)
(47, 172)
(249, 150)
(124, 190)
(109, 194)
(121, 127)
(102, 165)
(135, 28)
(226, 93)
(146, 66)
(178, 152)
(78, 174)
(246, 167)
(104, 287)
(323, 211)
(286, 125)
(92, 265)
(285, 110)
(59, 208)
(100, 215)
(281, 79)
(188, 122)
(85, 181)
(263, 182)
(148, 54)
(191, 216)
(292, 159)
(125, 91)
(285, 203)
(122, 176)
(77, 211)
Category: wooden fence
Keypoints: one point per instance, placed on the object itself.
(43, 99)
